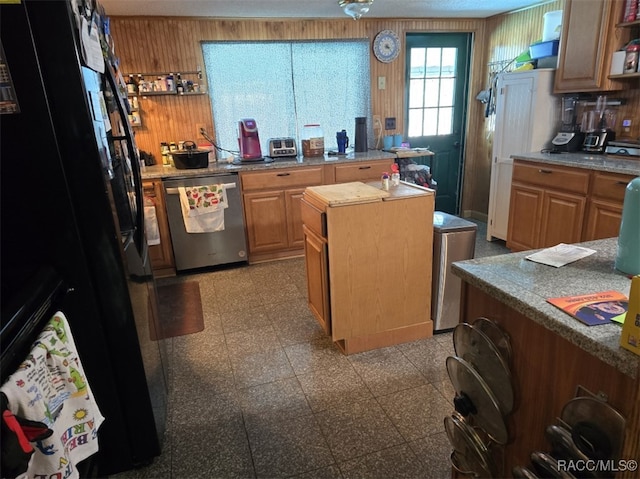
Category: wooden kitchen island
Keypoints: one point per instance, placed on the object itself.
(553, 353)
(368, 254)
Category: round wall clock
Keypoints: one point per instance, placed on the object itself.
(386, 46)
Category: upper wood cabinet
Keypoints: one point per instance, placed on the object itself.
(589, 38)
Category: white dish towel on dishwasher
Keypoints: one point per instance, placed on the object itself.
(203, 208)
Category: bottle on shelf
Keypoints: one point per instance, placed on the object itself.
(179, 85)
(132, 88)
(170, 82)
(143, 86)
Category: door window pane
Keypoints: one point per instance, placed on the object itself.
(416, 93)
(449, 62)
(433, 62)
(445, 121)
(430, 122)
(446, 91)
(431, 92)
(415, 122)
(418, 56)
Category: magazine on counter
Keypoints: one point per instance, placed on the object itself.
(595, 308)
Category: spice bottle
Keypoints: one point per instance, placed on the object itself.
(385, 181)
(395, 175)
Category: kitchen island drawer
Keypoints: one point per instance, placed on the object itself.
(572, 180)
(282, 178)
(361, 171)
(313, 217)
(610, 186)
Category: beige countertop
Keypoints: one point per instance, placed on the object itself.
(525, 286)
(159, 171)
(611, 164)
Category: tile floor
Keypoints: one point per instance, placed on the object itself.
(263, 393)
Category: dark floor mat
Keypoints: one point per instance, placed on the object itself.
(179, 311)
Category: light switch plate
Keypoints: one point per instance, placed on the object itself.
(382, 83)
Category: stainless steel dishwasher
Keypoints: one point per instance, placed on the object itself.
(197, 250)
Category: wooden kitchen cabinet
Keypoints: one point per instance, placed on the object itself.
(317, 263)
(557, 204)
(589, 38)
(378, 247)
(360, 171)
(548, 205)
(161, 255)
(272, 210)
(604, 207)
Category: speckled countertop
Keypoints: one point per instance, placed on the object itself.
(159, 171)
(612, 164)
(524, 286)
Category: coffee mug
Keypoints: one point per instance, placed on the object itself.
(397, 141)
(387, 142)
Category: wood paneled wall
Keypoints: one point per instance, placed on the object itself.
(507, 36)
(172, 44)
(154, 44)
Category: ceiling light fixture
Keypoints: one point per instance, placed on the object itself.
(355, 8)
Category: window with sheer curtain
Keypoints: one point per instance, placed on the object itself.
(286, 85)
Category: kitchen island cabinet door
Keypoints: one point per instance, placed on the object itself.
(316, 261)
(266, 221)
(589, 38)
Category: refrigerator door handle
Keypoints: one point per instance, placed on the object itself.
(139, 233)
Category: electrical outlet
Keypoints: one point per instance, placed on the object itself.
(389, 123)
(382, 83)
(201, 126)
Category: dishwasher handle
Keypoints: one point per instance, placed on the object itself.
(174, 191)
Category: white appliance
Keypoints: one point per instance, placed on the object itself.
(527, 116)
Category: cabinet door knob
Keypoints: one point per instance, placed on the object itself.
(545, 171)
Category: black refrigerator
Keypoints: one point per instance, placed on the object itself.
(71, 206)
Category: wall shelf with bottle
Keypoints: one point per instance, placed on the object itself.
(628, 56)
(165, 83)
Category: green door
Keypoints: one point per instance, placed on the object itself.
(437, 79)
